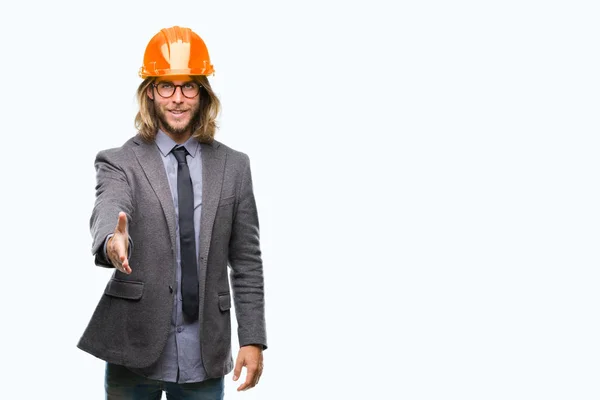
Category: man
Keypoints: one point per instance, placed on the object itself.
(173, 209)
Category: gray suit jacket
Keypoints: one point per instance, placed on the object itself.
(131, 322)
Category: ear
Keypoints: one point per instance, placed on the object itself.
(150, 92)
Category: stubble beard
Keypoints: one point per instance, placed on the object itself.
(175, 131)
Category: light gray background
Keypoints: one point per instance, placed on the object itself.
(426, 177)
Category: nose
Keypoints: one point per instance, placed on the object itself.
(178, 95)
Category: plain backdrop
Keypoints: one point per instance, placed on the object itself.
(426, 174)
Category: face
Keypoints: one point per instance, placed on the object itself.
(176, 113)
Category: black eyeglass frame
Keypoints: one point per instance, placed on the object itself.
(155, 86)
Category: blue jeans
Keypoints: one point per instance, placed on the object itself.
(122, 384)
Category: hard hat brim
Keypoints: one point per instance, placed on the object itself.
(145, 72)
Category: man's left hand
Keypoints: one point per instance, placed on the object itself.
(251, 357)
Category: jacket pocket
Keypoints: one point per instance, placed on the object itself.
(131, 290)
(224, 301)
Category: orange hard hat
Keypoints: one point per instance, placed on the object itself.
(176, 51)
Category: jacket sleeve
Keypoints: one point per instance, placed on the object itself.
(113, 194)
(246, 266)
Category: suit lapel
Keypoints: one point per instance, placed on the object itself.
(149, 158)
(213, 166)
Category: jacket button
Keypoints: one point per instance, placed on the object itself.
(170, 289)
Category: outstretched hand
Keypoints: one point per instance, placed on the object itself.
(251, 357)
(118, 245)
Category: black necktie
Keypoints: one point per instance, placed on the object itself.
(187, 237)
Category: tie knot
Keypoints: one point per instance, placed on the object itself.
(180, 153)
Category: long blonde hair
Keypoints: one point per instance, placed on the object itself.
(204, 129)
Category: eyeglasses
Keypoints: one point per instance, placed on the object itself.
(167, 89)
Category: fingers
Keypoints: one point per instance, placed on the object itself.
(122, 265)
(117, 254)
(125, 265)
(118, 245)
(251, 359)
(253, 373)
(250, 380)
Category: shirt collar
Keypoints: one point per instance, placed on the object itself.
(166, 144)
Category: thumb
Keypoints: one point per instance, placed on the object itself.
(238, 367)
(122, 223)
